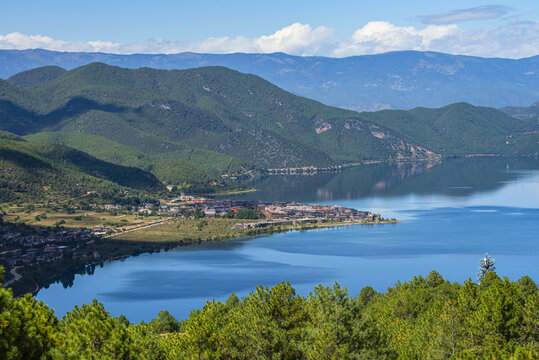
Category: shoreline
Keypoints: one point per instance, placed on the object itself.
(158, 246)
(314, 170)
(48, 255)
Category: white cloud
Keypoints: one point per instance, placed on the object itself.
(21, 41)
(515, 39)
(382, 36)
(297, 38)
(225, 45)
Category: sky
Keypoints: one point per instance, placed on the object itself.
(334, 28)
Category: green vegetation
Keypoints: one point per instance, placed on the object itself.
(186, 231)
(214, 108)
(37, 172)
(188, 127)
(462, 129)
(244, 214)
(175, 168)
(5, 135)
(249, 214)
(36, 76)
(486, 265)
(425, 318)
(73, 217)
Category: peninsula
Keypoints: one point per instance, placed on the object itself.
(43, 243)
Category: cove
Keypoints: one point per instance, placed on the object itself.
(452, 213)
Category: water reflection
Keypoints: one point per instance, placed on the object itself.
(453, 177)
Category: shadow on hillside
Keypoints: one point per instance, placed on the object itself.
(23, 122)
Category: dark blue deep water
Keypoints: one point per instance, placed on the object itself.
(452, 213)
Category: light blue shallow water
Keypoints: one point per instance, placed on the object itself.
(449, 222)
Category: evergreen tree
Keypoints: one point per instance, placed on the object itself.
(486, 265)
(164, 323)
(28, 328)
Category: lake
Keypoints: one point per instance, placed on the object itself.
(452, 213)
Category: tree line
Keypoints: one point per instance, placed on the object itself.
(425, 318)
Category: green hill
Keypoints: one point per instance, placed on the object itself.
(32, 171)
(212, 108)
(462, 129)
(36, 76)
(6, 135)
(174, 167)
(188, 126)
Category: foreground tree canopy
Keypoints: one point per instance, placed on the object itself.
(425, 318)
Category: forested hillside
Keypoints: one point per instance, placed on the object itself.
(462, 129)
(193, 125)
(188, 166)
(215, 109)
(37, 172)
(36, 76)
(425, 318)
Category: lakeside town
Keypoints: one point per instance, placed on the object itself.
(32, 246)
(270, 213)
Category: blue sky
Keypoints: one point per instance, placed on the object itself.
(331, 28)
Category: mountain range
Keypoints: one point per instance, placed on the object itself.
(188, 127)
(523, 112)
(395, 80)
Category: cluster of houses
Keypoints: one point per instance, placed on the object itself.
(144, 208)
(276, 213)
(295, 212)
(42, 246)
(46, 244)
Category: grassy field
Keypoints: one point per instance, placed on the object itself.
(42, 216)
(186, 231)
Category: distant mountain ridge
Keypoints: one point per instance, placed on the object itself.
(523, 112)
(396, 80)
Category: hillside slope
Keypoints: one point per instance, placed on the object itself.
(41, 171)
(523, 112)
(170, 167)
(190, 126)
(217, 109)
(36, 76)
(462, 129)
(396, 80)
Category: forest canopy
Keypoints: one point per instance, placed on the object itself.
(425, 318)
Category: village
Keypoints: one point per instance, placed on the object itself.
(23, 245)
(271, 213)
(18, 247)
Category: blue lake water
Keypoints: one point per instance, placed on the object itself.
(452, 213)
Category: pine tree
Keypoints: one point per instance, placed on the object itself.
(486, 265)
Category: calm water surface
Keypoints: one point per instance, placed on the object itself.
(452, 213)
